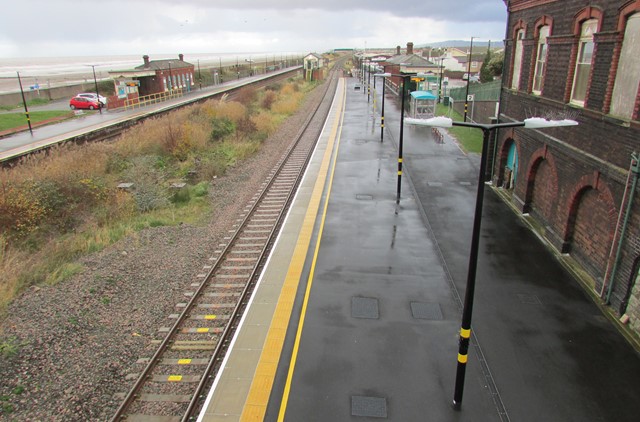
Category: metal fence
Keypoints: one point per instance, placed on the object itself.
(489, 91)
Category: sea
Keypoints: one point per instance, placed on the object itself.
(47, 72)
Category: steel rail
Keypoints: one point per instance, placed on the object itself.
(229, 329)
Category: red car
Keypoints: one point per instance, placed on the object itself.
(82, 102)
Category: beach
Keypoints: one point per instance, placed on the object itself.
(48, 72)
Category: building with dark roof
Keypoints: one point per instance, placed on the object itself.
(155, 76)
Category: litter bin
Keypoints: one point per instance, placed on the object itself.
(445, 101)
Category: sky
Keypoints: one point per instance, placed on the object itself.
(62, 28)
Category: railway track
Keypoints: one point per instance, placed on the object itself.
(173, 382)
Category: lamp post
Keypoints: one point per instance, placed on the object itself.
(24, 102)
(384, 85)
(440, 80)
(466, 97)
(400, 141)
(95, 81)
(369, 82)
(465, 329)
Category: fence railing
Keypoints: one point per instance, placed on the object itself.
(489, 91)
(153, 98)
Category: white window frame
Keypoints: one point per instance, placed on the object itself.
(625, 88)
(541, 59)
(517, 60)
(583, 66)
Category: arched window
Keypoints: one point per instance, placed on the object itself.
(541, 60)
(517, 60)
(583, 62)
(625, 89)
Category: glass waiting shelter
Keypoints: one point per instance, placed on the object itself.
(423, 104)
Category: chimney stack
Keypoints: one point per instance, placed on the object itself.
(146, 60)
(181, 57)
(398, 50)
(409, 48)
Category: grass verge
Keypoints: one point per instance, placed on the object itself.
(469, 138)
(15, 120)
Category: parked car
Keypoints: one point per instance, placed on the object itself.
(93, 95)
(84, 103)
(473, 78)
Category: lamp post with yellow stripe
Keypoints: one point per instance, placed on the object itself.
(465, 329)
(401, 138)
(384, 85)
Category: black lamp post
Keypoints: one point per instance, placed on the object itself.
(384, 86)
(24, 102)
(466, 97)
(401, 138)
(440, 81)
(465, 329)
(369, 82)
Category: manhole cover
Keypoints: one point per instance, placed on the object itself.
(364, 307)
(421, 310)
(374, 407)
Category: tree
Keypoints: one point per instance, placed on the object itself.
(485, 72)
(495, 64)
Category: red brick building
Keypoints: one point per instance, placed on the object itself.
(168, 74)
(154, 77)
(581, 60)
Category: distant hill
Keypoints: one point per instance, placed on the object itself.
(462, 43)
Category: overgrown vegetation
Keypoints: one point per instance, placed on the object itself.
(57, 207)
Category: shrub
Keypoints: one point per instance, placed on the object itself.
(245, 128)
(21, 211)
(231, 110)
(201, 189)
(149, 192)
(268, 99)
(220, 128)
(246, 95)
(264, 123)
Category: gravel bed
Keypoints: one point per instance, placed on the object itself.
(80, 339)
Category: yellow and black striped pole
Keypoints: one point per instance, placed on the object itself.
(384, 85)
(24, 102)
(467, 309)
(404, 78)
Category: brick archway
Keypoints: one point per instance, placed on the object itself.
(586, 184)
(536, 159)
(503, 157)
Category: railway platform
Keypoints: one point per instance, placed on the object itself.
(356, 316)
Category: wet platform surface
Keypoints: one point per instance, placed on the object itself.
(356, 317)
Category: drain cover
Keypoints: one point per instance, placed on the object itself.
(364, 197)
(431, 311)
(375, 407)
(434, 184)
(364, 307)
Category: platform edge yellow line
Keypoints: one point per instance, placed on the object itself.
(255, 406)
